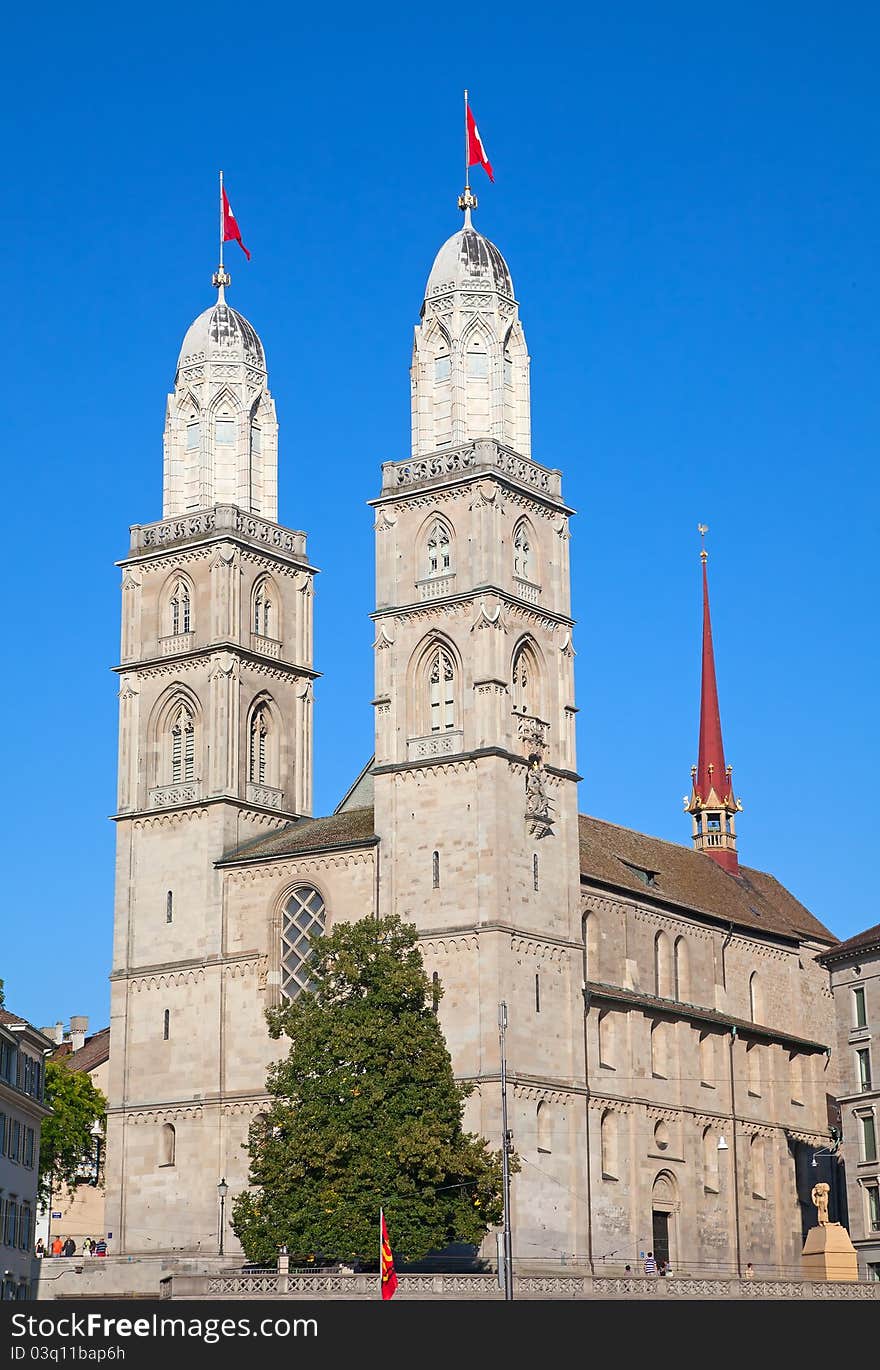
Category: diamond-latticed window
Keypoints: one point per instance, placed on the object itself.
(304, 916)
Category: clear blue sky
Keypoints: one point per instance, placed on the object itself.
(687, 196)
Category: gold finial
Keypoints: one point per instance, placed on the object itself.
(702, 529)
(221, 279)
(467, 200)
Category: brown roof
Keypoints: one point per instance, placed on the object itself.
(7, 1017)
(869, 940)
(615, 856)
(352, 828)
(94, 1052)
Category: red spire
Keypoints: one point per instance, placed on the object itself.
(712, 801)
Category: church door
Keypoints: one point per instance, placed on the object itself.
(661, 1236)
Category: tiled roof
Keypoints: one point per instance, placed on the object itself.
(94, 1052)
(869, 940)
(691, 880)
(354, 827)
(7, 1017)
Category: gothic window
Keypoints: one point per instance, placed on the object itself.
(707, 1060)
(544, 1121)
(305, 917)
(441, 690)
(523, 563)
(169, 907)
(435, 870)
(263, 609)
(166, 1025)
(754, 998)
(183, 746)
(439, 549)
(663, 986)
(477, 358)
(169, 1144)
(181, 621)
(710, 1161)
(608, 1130)
(525, 681)
(257, 758)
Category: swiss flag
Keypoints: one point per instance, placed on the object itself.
(387, 1275)
(231, 230)
(476, 151)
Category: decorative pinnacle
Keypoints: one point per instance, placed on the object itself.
(220, 279)
(467, 200)
(702, 529)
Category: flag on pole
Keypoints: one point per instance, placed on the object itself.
(476, 151)
(386, 1260)
(231, 230)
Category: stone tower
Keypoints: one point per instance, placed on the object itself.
(215, 747)
(712, 804)
(474, 777)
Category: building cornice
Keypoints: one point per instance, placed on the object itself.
(474, 755)
(220, 645)
(467, 597)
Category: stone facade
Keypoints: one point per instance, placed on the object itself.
(656, 1003)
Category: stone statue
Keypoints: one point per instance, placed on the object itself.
(819, 1195)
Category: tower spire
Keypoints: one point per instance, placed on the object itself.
(712, 804)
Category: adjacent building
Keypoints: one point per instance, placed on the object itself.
(670, 1029)
(854, 968)
(22, 1110)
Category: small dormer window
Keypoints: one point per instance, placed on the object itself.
(192, 436)
(225, 432)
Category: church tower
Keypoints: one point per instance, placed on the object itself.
(215, 748)
(475, 776)
(712, 805)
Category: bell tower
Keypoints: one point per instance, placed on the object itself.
(474, 777)
(215, 747)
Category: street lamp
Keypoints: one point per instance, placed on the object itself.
(222, 1191)
(97, 1132)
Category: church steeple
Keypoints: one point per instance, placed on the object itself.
(712, 804)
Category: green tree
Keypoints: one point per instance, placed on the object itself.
(66, 1141)
(365, 1113)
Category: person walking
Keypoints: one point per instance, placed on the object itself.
(69, 1247)
(87, 1246)
(100, 1247)
(650, 1264)
(57, 1246)
(750, 1271)
(40, 1248)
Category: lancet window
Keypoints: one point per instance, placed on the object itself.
(439, 549)
(181, 619)
(183, 746)
(257, 761)
(441, 690)
(305, 917)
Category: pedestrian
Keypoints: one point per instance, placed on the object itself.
(650, 1264)
(100, 1247)
(57, 1245)
(627, 1271)
(69, 1247)
(750, 1271)
(40, 1248)
(661, 1266)
(87, 1246)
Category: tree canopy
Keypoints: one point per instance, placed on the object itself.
(66, 1142)
(365, 1114)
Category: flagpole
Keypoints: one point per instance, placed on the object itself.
(467, 177)
(220, 277)
(221, 223)
(466, 201)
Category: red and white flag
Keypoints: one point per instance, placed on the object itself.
(387, 1274)
(476, 151)
(231, 230)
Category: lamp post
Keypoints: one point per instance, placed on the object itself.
(97, 1132)
(222, 1191)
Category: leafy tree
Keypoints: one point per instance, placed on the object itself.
(2, 993)
(365, 1113)
(66, 1141)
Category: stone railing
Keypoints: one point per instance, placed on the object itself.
(177, 642)
(266, 646)
(483, 455)
(167, 796)
(223, 518)
(438, 744)
(527, 590)
(265, 795)
(485, 1286)
(435, 587)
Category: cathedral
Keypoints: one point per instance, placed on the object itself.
(669, 1027)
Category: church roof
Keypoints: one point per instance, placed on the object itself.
(671, 874)
(466, 259)
(221, 334)
(353, 828)
(867, 941)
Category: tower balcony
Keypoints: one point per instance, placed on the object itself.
(265, 795)
(266, 646)
(175, 643)
(436, 744)
(169, 796)
(435, 587)
(485, 454)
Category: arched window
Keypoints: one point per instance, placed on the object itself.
(441, 690)
(183, 746)
(659, 1049)
(181, 617)
(607, 1040)
(523, 558)
(257, 758)
(305, 917)
(166, 1025)
(609, 1147)
(682, 969)
(710, 1161)
(263, 616)
(753, 1063)
(544, 1120)
(662, 966)
(439, 549)
(169, 1144)
(755, 1007)
(169, 907)
(435, 870)
(525, 681)
(758, 1167)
